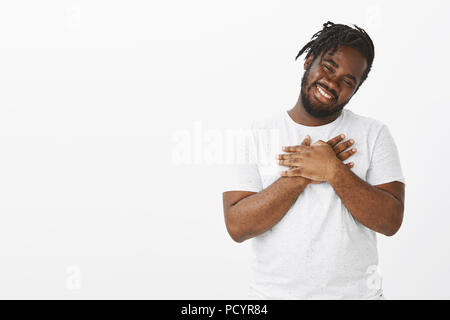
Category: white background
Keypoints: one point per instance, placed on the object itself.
(93, 95)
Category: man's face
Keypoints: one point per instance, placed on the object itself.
(330, 81)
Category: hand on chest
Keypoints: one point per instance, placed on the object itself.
(268, 159)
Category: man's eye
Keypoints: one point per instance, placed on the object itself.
(348, 83)
(327, 67)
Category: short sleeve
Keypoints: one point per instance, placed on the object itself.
(243, 173)
(385, 162)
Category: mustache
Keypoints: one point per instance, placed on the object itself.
(328, 89)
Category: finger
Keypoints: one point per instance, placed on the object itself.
(289, 163)
(306, 141)
(288, 156)
(346, 154)
(342, 146)
(295, 172)
(294, 148)
(350, 165)
(334, 141)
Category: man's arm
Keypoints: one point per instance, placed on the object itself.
(379, 208)
(248, 214)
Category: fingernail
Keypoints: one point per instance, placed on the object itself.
(354, 149)
(351, 141)
(342, 136)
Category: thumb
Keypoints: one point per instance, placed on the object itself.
(306, 141)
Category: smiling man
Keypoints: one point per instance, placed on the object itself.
(313, 216)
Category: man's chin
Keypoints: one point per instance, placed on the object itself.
(321, 112)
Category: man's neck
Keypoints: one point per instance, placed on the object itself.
(301, 116)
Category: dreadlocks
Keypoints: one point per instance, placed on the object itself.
(334, 35)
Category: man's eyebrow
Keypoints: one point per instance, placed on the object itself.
(334, 64)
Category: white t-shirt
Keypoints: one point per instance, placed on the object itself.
(317, 250)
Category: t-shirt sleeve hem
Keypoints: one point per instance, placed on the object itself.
(242, 188)
(387, 180)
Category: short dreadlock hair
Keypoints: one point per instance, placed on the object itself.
(334, 35)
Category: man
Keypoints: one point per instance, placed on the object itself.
(312, 218)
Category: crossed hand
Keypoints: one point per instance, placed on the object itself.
(316, 161)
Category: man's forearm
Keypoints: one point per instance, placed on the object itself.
(375, 208)
(259, 212)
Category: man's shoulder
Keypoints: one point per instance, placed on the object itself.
(364, 122)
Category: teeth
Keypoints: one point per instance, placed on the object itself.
(323, 93)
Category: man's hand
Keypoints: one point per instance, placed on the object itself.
(316, 162)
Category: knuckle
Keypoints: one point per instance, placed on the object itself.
(337, 139)
(344, 155)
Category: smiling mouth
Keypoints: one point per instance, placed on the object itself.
(323, 95)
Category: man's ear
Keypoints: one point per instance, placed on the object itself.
(308, 61)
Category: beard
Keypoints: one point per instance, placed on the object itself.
(316, 110)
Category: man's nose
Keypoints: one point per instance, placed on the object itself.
(332, 84)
